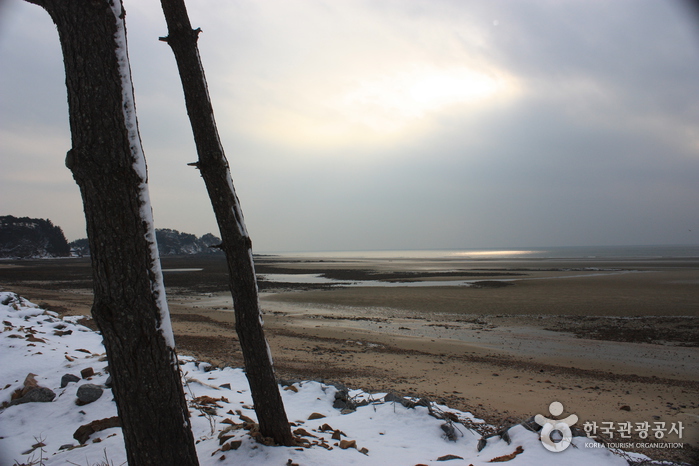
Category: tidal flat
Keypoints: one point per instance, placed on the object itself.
(613, 340)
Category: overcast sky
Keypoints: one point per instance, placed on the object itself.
(392, 124)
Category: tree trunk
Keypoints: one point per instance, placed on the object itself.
(236, 242)
(108, 164)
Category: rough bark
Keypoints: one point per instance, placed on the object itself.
(235, 240)
(108, 165)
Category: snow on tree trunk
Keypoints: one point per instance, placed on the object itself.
(139, 165)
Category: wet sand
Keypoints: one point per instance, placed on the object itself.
(614, 341)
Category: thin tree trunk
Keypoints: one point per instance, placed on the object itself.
(236, 242)
(108, 164)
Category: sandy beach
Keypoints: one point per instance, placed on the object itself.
(614, 341)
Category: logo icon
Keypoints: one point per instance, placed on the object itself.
(556, 434)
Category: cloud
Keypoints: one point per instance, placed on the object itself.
(399, 123)
(334, 74)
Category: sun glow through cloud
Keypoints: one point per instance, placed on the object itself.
(391, 103)
(437, 90)
(379, 109)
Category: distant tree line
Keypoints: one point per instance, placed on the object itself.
(170, 243)
(173, 242)
(34, 237)
(26, 237)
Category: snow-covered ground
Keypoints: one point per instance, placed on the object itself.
(380, 433)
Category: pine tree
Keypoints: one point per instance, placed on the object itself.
(108, 165)
(236, 242)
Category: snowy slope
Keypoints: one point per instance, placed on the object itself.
(386, 433)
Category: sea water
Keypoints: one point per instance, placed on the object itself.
(569, 252)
